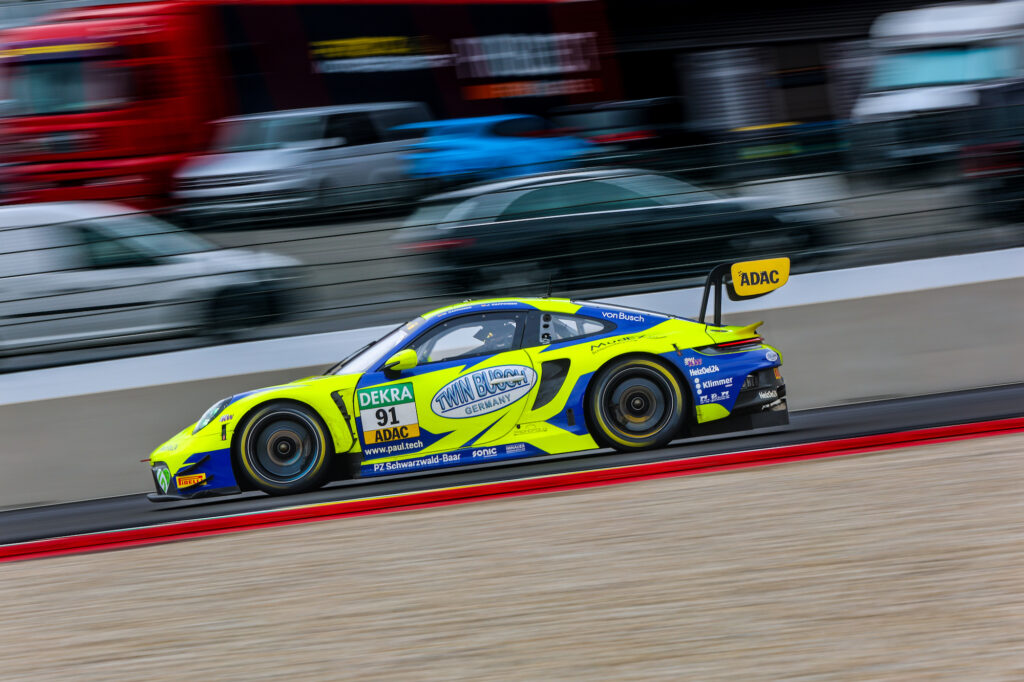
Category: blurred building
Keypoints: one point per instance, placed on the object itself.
(108, 103)
(742, 64)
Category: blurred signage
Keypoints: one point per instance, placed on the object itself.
(44, 50)
(482, 57)
(531, 88)
(541, 54)
(378, 53)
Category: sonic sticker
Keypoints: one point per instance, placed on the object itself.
(483, 391)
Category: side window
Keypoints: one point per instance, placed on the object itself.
(103, 250)
(546, 201)
(520, 127)
(463, 337)
(390, 118)
(355, 128)
(37, 250)
(556, 327)
(575, 197)
(608, 196)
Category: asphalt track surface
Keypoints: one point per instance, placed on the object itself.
(134, 511)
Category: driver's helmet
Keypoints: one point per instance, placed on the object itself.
(496, 334)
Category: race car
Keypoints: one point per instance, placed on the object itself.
(488, 381)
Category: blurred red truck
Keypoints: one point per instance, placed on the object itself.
(107, 102)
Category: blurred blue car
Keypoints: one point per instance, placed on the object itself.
(490, 148)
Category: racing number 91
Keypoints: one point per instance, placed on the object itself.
(389, 413)
(386, 417)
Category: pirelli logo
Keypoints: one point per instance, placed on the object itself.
(190, 480)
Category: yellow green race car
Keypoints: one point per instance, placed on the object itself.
(487, 381)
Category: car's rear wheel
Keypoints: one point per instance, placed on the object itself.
(233, 311)
(283, 448)
(635, 403)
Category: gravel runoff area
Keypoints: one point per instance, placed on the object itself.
(902, 565)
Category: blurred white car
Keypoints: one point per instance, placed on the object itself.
(91, 273)
(283, 162)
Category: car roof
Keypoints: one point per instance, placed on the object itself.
(551, 305)
(615, 105)
(320, 111)
(30, 215)
(471, 121)
(944, 23)
(534, 181)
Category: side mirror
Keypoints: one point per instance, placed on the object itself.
(403, 359)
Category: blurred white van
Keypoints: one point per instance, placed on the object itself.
(932, 67)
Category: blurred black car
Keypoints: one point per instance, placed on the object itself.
(594, 228)
(653, 133)
(992, 160)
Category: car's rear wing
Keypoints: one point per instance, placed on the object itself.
(743, 280)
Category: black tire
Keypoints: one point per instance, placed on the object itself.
(635, 403)
(283, 448)
(233, 311)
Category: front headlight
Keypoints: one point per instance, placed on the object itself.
(211, 414)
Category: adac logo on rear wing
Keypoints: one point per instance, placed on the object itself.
(757, 277)
(743, 280)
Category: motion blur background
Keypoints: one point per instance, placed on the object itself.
(192, 172)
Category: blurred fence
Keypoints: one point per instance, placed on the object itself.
(826, 195)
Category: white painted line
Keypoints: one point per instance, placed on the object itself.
(186, 365)
(851, 283)
(324, 349)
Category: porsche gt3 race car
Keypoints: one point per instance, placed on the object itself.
(489, 381)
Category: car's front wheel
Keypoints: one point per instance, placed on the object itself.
(635, 403)
(283, 448)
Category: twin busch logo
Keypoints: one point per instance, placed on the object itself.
(483, 391)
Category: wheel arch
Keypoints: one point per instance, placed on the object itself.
(689, 413)
(241, 422)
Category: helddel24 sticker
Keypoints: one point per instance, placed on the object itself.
(483, 391)
(388, 414)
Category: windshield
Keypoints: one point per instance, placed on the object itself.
(665, 190)
(67, 86)
(153, 236)
(366, 358)
(430, 214)
(944, 66)
(266, 133)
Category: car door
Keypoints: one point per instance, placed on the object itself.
(116, 290)
(36, 301)
(355, 175)
(468, 390)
